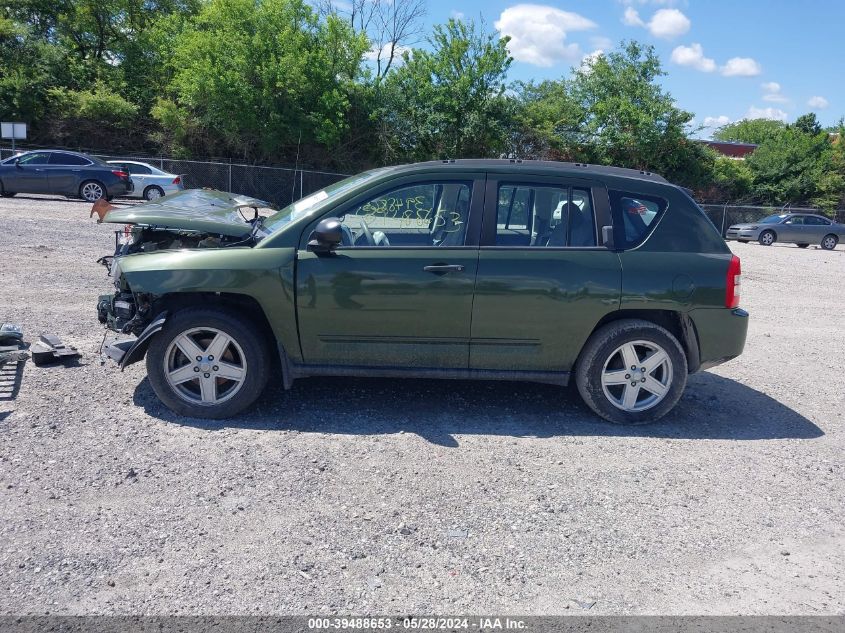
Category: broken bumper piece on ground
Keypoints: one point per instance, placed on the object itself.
(49, 349)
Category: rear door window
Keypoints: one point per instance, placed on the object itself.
(544, 216)
(60, 158)
(816, 221)
(638, 213)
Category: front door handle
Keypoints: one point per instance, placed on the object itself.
(442, 269)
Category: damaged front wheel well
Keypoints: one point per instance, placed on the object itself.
(241, 305)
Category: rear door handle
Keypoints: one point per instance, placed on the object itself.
(442, 269)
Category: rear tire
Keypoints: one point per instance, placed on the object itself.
(153, 192)
(767, 238)
(92, 190)
(829, 242)
(230, 375)
(634, 350)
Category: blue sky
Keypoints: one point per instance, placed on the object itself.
(726, 60)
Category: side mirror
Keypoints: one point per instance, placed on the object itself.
(326, 236)
(18, 163)
(607, 237)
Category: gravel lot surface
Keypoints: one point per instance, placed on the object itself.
(399, 496)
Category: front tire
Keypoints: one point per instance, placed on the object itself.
(208, 363)
(767, 238)
(631, 372)
(829, 242)
(92, 190)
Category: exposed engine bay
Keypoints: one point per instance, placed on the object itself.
(191, 219)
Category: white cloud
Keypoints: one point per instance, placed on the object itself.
(373, 54)
(458, 15)
(665, 23)
(668, 23)
(775, 114)
(601, 42)
(538, 33)
(772, 93)
(818, 103)
(741, 67)
(693, 56)
(588, 60)
(716, 121)
(631, 17)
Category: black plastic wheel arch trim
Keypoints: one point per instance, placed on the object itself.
(139, 348)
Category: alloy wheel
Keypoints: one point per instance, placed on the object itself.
(829, 243)
(92, 191)
(637, 376)
(205, 366)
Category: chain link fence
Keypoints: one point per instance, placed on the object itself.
(725, 215)
(278, 185)
(283, 185)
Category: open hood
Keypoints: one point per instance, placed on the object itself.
(202, 210)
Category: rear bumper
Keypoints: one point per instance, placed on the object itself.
(167, 189)
(121, 188)
(721, 334)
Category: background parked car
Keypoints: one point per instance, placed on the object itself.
(64, 173)
(150, 182)
(802, 229)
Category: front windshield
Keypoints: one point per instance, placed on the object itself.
(311, 203)
(772, 219)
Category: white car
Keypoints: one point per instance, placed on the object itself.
(150, 182)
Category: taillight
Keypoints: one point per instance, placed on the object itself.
(732, 283)
(120, 173)
(177, 180)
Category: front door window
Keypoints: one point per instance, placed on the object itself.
(430, 214)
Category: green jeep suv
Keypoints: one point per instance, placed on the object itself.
(487, 269)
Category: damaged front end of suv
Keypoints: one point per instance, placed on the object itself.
(197, 219)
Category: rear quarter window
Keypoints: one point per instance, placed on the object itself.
(637, 214)
(678, 226)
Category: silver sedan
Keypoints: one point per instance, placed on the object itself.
(802, 229)
(150, 182)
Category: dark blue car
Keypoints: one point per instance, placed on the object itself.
(65, 173)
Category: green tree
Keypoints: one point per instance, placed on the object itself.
(788, 167)
(547, 121)
(257, 74)
(447, 102)
(732, 180)
(754, 131)
(613, 111)
(27, 72)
